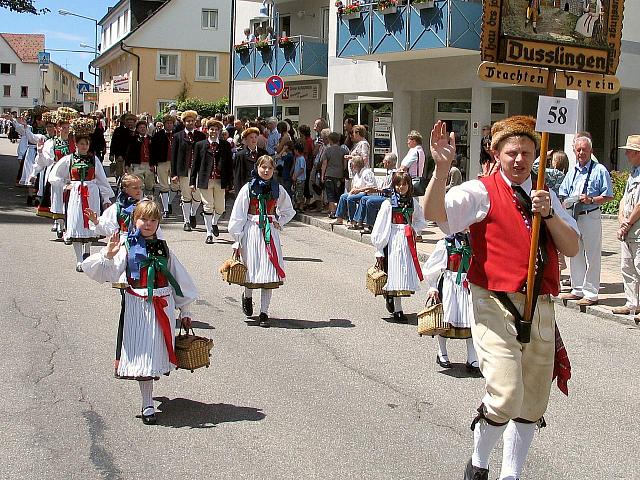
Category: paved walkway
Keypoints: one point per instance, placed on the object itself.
(611, 289)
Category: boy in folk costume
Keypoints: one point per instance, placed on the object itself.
(497, 210)
(212, 174)
(245, 159)
(120, 139)
(161, 153)
(138, 161)
(261, 209)
(394, 236)
(181, 163)
(446, 274)
(82, 174)
(158, 284)
(52, 151)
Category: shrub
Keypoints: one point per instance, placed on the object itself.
(619, 180)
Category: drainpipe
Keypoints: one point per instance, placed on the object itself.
(231, 54)
(122, 45)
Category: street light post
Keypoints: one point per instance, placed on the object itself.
(95, 44)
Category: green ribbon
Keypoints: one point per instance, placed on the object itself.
(465, 260)
(82, 167)
(158, 264)
(263, 221)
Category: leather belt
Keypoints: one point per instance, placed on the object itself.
(588, 211)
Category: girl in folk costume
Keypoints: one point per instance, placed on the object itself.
(394, 236)
(82, 174)
(446, 274)
(260, 211)
(40, 172)
(158, 285)
(50, 153)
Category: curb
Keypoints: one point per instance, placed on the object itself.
(596, 311)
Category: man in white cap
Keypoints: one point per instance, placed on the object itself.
(629, 231)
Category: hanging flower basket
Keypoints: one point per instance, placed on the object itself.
(350, 11)
(241, 47)
(263, 45)
(387, 7)
(422, 4)
(351, 16)
(285, 42)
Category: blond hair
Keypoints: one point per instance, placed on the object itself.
(415, 135)
(147, 208)
(128, 180)
(264, 159)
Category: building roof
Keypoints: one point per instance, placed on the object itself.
(25, 45)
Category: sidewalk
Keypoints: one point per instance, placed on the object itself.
(611, 289)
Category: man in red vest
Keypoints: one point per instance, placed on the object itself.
(498, 212)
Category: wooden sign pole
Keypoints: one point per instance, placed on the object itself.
(537, 219)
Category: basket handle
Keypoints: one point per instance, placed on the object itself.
(186, 330)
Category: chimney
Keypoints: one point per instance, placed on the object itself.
(82, 76)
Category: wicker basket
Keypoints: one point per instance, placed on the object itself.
(192, 351)
(234, 271)
(431, 321)
(376, 280)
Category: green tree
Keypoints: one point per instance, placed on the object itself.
(23, 6)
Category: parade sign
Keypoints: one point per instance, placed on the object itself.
(582, 36)
(557, 115)
(513, 74)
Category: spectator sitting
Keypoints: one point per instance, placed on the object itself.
(299, 175)
(363, 182)
(369, 206)
(332, 167)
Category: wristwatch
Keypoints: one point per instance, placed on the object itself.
(551, 214)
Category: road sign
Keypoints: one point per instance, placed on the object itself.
(44, 58)
(90, 97)
(274, 85)
(84, 87)
(557, 115)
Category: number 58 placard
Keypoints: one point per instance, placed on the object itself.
(557, 115)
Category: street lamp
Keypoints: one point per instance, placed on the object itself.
(95, 45)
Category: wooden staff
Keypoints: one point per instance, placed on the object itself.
(537, 219)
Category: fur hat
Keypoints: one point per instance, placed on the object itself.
(249, 131)
(518, 125)
(65, 115)
(49, 117)
(83, 127)
(168, 118)
(189, 113)
(214, 123)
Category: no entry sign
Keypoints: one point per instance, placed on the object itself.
(274, 85)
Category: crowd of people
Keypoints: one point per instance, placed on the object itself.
(271, 170)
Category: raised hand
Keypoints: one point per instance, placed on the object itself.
(91, 215)
(443, 145)
(113, 245)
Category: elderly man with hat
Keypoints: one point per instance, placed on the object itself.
(498, 212)
(629, 231)
(181, 162)
(246, 158)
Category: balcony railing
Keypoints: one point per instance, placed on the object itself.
(302, 57)
(413, 27)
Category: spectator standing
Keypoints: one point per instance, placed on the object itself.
(455, 176)
(361, 147)
(283, 132)
(332, 165)
(273, 135)
(98, 143)
(583, 190)
(120, 139)
(488, 163)
(307, 142)
(299, 175)
(629, 232)
(348, 125)
(161, 152)
(287, 159)
(414, 161)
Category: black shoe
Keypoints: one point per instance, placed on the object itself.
(59, 234)
(443, 363)
(535, 30)
(68, 241)
(165, 214)
(388, 302)
(472, 472)
(187, 227)
(209, 240)
(215, 230)
(85, 256)
(149, 419)
(473, 370)
(247, 305)
(400, 317)
(264, 320)
(192, 221)
(79, 267)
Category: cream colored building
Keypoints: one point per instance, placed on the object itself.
(61, 87)
(153, 52)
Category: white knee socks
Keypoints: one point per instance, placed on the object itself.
(517, 439)
(265, 300)
(186, 211)
(472, 358)
(248, 292)
(397, 304)
(164, 198)
(442, 348)
(194, 207)
(485, 437)
(77, 248)
(86, 248)
(216, 217)
(146, 390)
(208, 222)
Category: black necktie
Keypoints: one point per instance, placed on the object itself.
(523, 200)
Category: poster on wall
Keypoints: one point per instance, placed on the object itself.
(572, 35)
(121, 84)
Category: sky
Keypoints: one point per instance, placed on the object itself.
(61, 32)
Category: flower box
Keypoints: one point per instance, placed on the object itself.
(388, 10)
(424, 4)
(285, 42)
(243, 47)
(263, 45)
(351, 15)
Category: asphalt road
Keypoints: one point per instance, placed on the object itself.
(331, 391)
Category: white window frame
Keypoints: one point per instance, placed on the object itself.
(160, 76)
(209, 11)
(162, 101)
(216, 77)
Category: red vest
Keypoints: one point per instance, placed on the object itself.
(501, 242)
